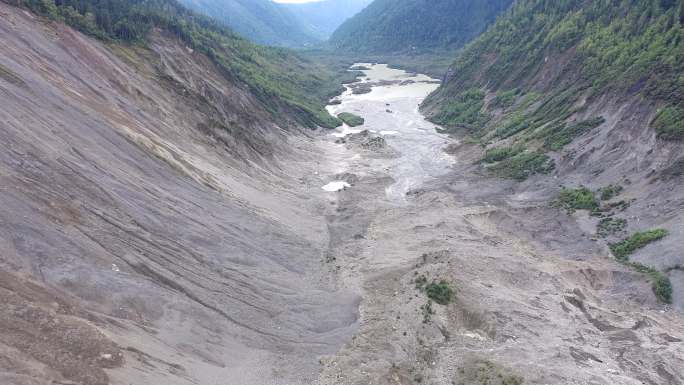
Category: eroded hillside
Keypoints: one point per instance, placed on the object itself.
(152, 220)
(589, 93)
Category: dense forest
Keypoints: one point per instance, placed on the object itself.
(412, 25)
(261, 21)
(619, 47)
(281, 79)
(323, 17)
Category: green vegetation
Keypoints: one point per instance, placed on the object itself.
(505, 99)
(576, 51)
(485, 372)
(610, 226)
(351, 119)
(261, 21)
(577, 199)
(622, 250)
(564, 134)
(324, 16)
(500, 153)
(284, 82)
(662, 287)
(523, 165)
(414, 25)
(439, 292)
(611, 191)
(464, 111)
(669, 123)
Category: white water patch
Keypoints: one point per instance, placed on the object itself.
(336, 186)
(392, 109)
(346, 130)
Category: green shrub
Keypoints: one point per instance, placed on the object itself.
(463, 110)
(485, 372)
(609, 226)
(500, 153)
(351, 119)
(523, 165)
(517, 123)
(505, 99)
(609, 192)
(564, 134)
(622, 250)
(577, 199)
(669, 123)
(662, 287)
(439, 292)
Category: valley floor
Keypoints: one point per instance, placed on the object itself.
(536, 297)
(143, 241)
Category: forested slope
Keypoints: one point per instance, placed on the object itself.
(323, 17)
(261, 21)
(393, 26)
(591, 93)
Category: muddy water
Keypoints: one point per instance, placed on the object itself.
(391, 110)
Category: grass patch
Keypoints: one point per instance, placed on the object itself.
(485, 372)
(623, 249)
(505, 99)
(352, 120)
(500, 153)
(577, 199)
(464, 110)
(610, 226)
(523, 165)
(517, 123)
(563, 134)
(660, 283)
(609, 192)
(669, 123)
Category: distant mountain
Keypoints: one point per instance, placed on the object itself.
(261, 21)
(323, 17)
(390, 26)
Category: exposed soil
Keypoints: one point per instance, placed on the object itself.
(538, 299)
(157, 227)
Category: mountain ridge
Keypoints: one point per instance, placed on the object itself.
(387, 26)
